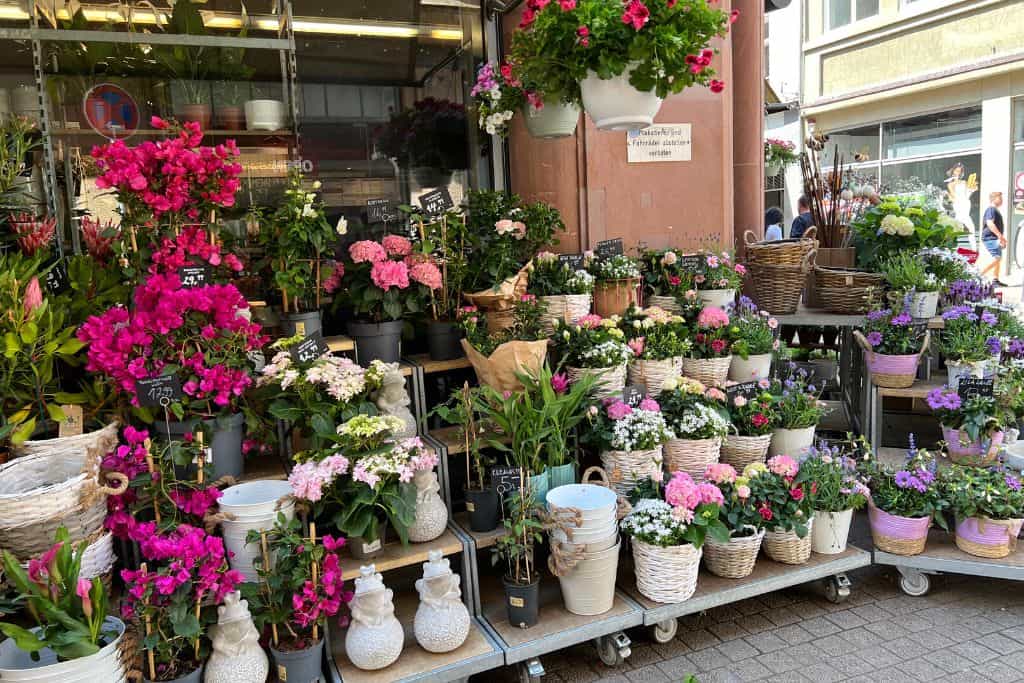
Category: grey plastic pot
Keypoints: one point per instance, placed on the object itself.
(377, 341)
(195, 677)
(443, 340)
(226, 444)
(301, 323)
(299, 666)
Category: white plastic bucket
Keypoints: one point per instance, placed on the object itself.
(589, 588)
(105, 665)
(589, 499)
(585, 536)
(253, 498)
(254, 505)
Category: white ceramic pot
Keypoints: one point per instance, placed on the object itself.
(719, 298)
(830, 531)
(924, 304)
(792, 442)
(614, 104)
(755, 367)
(553, 120)
(955, 370)
(254, 505)
(264, 115)
(17, 665)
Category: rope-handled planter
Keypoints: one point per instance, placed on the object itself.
(735, 559)
(691, 455)
(666, 575)
(623, 506)
(627, 468)
(740, 451)
(895, 534)
(892, 372)
(777, 288)
(989, 538)
(654, 373)
(789, 252)
(788, 548)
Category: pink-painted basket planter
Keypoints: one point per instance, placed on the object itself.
(892, 372)
(898, 535)
(984, 537)
(977, 452)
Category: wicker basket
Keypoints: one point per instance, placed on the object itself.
(740, 451)
(791, 252)
(892, 372)
(788, 548)
(609, 381)
(691, 455)
(613, 297)
(989, 538)
(711, 372)
(626, 468)
(735, 559)
(895, 534)
(778, 288)
(100, 442)
(34, 539)
(666, 575)
(665, 303)
(653, 373)
(568, 308)
(845, 290)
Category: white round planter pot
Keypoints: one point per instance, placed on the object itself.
(957, 370)
(253, 505)
(264, 115)
(105, 665)
(772, 170)
(719, 298)
(614, 104)
(754, 367)
(830, 531)
(553, 120)
(792, 442)
(924, 304)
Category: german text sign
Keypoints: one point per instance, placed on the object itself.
(660, 142)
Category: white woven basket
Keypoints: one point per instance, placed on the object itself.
(710, 371)
(98, 557)
(653, 373)
(100, 441)
(666, 574)
(609, 381)
(788, 548)
(568, 308)
(626, 468)
(740, 451)
(665, 303)
(735, 559)
(691, 455)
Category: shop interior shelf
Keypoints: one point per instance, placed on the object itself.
(340, 343)
(556, 628)
(942, 555)
(396, 555)
(714, 591)
(479, 653)
(435, 366)
(264, 466)
(481, 539)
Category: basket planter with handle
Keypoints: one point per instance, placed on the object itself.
(626, 468)
(892, 372)
(755, 366)
(735, 559)
(34, 539)
(712, 372)
(788, 252)
(984, 537)
(665, 303)
(691, 455)
(963, 451)
(667, 575)
(778, 288)
(792, 442)
(740, 451)
(607, 381)
(568, 308)
(788, 548)
(100, 441)
(831, 529)
(613, 297)
(653, 373)
(898, 535)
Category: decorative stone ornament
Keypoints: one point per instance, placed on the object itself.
(375, 637)
(442, 620)
(237, 656)
(392, 399)
(431, 514)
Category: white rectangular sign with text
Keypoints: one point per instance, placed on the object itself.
(660, 142)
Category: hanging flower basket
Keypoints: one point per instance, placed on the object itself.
(892, 372)
(552, 121)
(614, 104)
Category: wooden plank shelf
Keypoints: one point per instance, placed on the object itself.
(920, 388)
(481, 539)
(431, 367)
(396, 555)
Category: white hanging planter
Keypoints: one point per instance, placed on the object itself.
(773, 169)
(553, 120)
(614, 104)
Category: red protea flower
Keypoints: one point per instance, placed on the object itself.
(99, 247)
(33, 233)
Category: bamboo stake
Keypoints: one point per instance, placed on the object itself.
(149, 632)
(312, 540)
(135, 244)
(266, 565)
(199, 599)
(469, 421)
(202, 457)
(151, 466)
(284, 294)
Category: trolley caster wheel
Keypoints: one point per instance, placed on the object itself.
(613, 649)
(530, 671)
(914, 583)
(837, 588)
(665, 631)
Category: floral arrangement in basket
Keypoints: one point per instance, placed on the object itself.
(969, 335)
(797, 401)
(783, 494)
(893, 333)
(615, 268)
(617, 426)
(896, 224)
(754, 416)
(593, 342)
(664, 274)
(753, 331)
(686, 515)
(779, 153)
(655, 334)
(551, 277)
(737, 512)
(982, 492)
(498, 94)
(835, 475)
(713, 335)
(979, 418)
(527, 313)
(693, 411)
(720, 272)
(946, 264)
(389, 279)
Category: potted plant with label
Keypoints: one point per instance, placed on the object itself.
(594, 347)
(499, 358)
(969, 343)
(616, 284)
(837, 494)
(972, 426)
(658, 340)
(893, 346)
(621, 60)
(754, 342)
(784, 497)
(300, 589)
(907, 275)
(717, 285)
(667, 278)
(565, 291)
(698, 420)
(799, 411)
(778, 154)
(753, 420)
(710, 355)
(987, 504)
(734, 558)
(629, 439)
(516, 548)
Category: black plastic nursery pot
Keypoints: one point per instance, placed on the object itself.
(484, 508)
(522, 602)
(443, 340)
(377, 341)
(226, 445)
(303, 324)
(196, 676)
(299, 666)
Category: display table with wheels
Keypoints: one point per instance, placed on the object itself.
(714, 591)
(942, 556)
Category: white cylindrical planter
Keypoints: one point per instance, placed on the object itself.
(264, 115)
(955, 370)
(924, 304)
(589, 589)
(719, 298)
(614, 104)
(17, 665)
(553, 120)
(754, 367)
(252, 505)
(830, 531)
(792, 442)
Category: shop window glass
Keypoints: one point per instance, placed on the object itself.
(939, 133)
(951, 183)
(1018, 120)
(855, 145)
(843, 12)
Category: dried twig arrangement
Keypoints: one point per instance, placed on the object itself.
(824, 191)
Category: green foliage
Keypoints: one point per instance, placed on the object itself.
(460, 410)
(906, 271)
(445, 237)
(550, 277)
(898, 224)
(982, 492)
(526, 325)
(522, 533)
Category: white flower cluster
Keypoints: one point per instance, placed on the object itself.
(341, 378)
(703, 422)
(607, 354)
(897, 225)
(617, 268)
(641, 430)
(651, 521)
(496, 121)
(580, 282)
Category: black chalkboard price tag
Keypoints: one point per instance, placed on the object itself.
(310, 348)
(436, 202)
(194, 276)
(506, 480)
(632, 394)
(747, 390)
(573, 261)
(609, 248)
(158, 391)
(379, 211)
(973, 387)
(56, 279)
(691, 263)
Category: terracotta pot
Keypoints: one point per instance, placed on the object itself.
(231, 118)
(198, 113)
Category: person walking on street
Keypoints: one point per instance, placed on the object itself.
(804, 220)
(993, 236)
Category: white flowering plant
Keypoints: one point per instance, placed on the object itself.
(618, 267)
(593, 342)
(693, 411)
(498, 94)
(899, 223)
(617, 426)
(688, 513)
(946, 264)
(655, 334)
(551, 277)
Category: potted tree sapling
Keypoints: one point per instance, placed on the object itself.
(837, 494)
(516, 548)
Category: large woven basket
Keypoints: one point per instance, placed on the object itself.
(778, 288)
(846, 290)
(30, 540)
(988, 538)
(568, 308)
(608, 381)
(666, 303)
(788, 548)
(791, 252)
(691, 455)
(712, 372)
(99, 556)
(100, 441)
(627, 468)
(895, 534)
(892, 372)
(735, 559)
(666, 574)
(740, 451)
(653, 373)
(613, 297)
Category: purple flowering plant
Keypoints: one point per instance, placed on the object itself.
(977, 417)
(969, 335)
(833, 470)
(796, 400)
(968, 291)
(909, 491)
(893, 333)
(991, 492)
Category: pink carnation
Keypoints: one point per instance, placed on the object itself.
(396, 245)
(367, 251)
(426, 273)
(713, 318)
(388, 274)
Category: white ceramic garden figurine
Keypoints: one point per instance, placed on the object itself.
(442, 620)
(375, 637)
(392, 399)
(237, 656)
(431, 513)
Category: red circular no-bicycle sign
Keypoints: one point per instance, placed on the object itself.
(111, 111)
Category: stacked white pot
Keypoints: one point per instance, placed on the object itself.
(252, 505)
(589, 587)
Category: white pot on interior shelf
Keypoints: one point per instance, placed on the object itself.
(264, 115)
(756, 366)
(924, 304)
(614, 104)
(830, 531)
(792, 442)
(553, 120)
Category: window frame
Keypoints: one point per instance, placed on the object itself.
(854, 15)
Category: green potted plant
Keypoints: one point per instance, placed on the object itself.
(668, 282)
(837, 494)
(754, 342)
(594, 347)
(896, 224)
(799, 411)
(516, 548)
(565, 291)
(987, 504)
(908, 275)
(972, 426)
(563, 406)
(969, 343)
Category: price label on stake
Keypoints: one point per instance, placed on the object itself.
(609, 248)
(436, 202)
(193, 276)
(505, 480)
(633, 394)
(158, 391)
(973, 387)
(56, 279)
(747, 390)
(310, 348)
(691, 263)
(574, 261)
(379, 211)
(72, 424)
